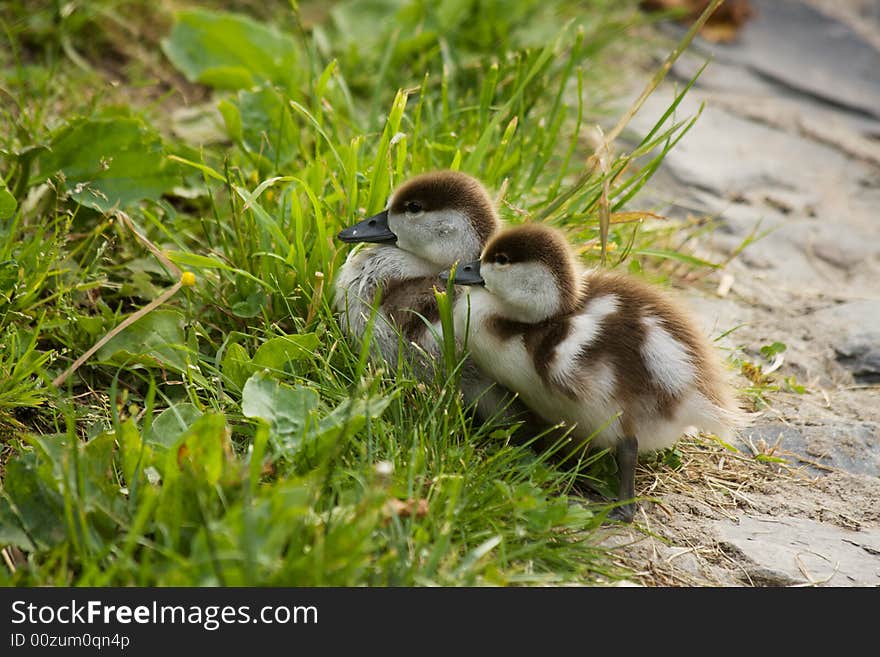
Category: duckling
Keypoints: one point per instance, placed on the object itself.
(431, 221)
(610, 355)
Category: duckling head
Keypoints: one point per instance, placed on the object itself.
(442, 217)
(530, 270)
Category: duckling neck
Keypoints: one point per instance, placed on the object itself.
(372, 266)
(525, 314)
(394, 262)
(532, 308)
(477, 305)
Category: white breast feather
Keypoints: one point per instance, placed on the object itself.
(364, 270)
(503, 360)
(585, 328)
(509, 363)
(666, 358)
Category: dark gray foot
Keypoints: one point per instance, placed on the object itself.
(624, 513)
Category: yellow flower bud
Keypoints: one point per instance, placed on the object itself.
(187, 279)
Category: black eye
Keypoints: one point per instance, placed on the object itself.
(413, 207)
(501, 259)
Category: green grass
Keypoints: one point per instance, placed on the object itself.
(232, 435)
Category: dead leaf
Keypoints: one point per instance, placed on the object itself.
(722, 26)
(406, 508)
(182, 453)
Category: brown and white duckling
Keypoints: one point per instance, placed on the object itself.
(432, 221)
(609, 354)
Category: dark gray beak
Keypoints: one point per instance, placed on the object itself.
(372, 229)
(466, 274)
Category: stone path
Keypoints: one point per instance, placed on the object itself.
(789, 142)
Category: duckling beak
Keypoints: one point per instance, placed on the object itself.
(372, 229)
(466, 274)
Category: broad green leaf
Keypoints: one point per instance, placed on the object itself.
(273, 354)
(227, 77)
(155, 339)
(204, 445)
(672, 458)
(10, 274)
(236, 364)
(51, 448)
(7, 202)
(248, 305)
(109, 162)
(90, 473)
(99, 485)
(39, 505)
(136, 454)
(230, 51)
(768, 351)
(285, 408)
(191, 469)
(198, 125)
(358, 22)
(231, 118)
(11, 531)
(345, 420)
(277, 352)
(171, 423)
(90, 325)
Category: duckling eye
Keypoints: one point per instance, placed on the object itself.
(413, 207)
(502, 259)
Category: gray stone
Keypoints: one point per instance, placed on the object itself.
(731, 156)
(859, 316)
(720, 76)
(748, 94)
(843, 444)
(856, 330)
(849, 249)
(810, 52)
(786, 551)
(860, 356)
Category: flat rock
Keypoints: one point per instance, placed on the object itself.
(731, 156)
(862, 358)
(855, 330)
(842, 444)
(749, 94)
(806, 50)
(786, 551)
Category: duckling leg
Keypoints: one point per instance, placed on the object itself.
(627, 455)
